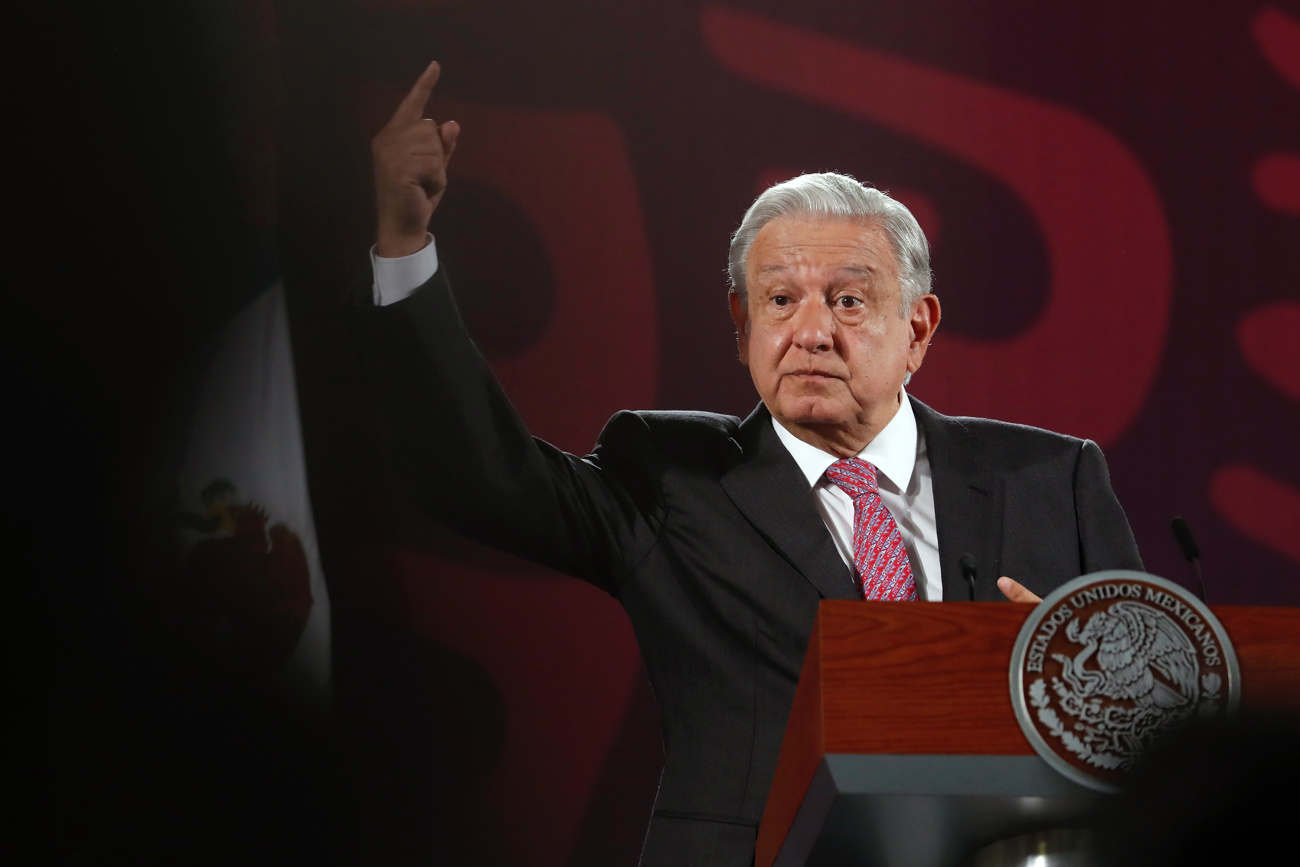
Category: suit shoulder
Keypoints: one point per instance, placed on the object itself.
(680, 436)
(691, 423)
(1007, 445)
(1017, 435)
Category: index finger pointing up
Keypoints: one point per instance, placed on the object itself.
(413, 105)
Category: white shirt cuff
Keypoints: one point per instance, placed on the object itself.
(396, 279)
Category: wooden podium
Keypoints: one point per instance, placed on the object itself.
(902, 746)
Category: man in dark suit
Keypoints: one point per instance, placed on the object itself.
(720, 536)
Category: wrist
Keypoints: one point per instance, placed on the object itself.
(389, 246)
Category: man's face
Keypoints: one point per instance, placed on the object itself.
(822, 334)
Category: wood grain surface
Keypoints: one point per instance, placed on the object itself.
(904, 678)
(1267, 642)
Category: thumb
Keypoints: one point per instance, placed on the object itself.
(1015, 591)
(449, 132)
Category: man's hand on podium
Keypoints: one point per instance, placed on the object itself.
(1015, 591)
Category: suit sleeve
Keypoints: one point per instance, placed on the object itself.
(463, 454)
(1105, 538)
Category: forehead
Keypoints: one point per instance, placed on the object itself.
(802, 243)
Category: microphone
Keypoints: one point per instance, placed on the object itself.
(968, 571)
(1183, 533)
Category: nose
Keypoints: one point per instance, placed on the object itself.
(813, 328)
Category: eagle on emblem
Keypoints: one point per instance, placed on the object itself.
(1132, 643)
(1136, 675)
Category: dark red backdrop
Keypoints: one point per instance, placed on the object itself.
(1112, 191)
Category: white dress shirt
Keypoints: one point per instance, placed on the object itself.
(396, 279)
(906, 488)
(898, 451)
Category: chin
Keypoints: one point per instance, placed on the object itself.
(811, 413)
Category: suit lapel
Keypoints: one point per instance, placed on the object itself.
(967, 504)
(769, 489)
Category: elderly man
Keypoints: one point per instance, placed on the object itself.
(720, 536)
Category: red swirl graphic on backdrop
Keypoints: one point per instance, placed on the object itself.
(1258, 505)
(1086, 366)
(568, 173)
(549, 643)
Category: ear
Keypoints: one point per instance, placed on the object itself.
(740, 316)
(924, 322)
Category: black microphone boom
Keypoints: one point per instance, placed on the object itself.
(967, 564)
(1183, 533)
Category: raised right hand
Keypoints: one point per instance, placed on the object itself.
(410, 156)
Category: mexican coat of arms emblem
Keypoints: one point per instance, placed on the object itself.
(1108, 663)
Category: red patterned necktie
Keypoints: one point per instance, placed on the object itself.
(879, 558)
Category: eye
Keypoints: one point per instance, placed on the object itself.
(848, 302)
(780, 300)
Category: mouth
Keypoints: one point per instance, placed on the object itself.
(810, 374)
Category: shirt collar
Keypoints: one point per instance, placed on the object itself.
(893, 451)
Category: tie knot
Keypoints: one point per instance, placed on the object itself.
(855, 477)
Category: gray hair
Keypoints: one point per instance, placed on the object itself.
(832, 196)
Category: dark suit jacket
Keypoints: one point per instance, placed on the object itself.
(703, 526)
